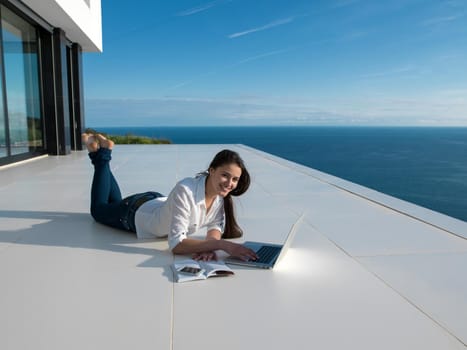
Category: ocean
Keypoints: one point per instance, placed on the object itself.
(423, 165)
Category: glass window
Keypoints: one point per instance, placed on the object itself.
(20, 59)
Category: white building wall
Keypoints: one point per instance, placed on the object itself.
(80, 19)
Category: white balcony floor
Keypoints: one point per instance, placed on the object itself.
(365, 271)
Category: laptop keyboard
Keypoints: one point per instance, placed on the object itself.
(267, 253)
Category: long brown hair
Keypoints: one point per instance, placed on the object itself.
(231, 229)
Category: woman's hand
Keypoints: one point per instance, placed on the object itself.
(205, 249)
(239, 251)
(205, 256)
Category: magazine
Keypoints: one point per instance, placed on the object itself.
(192, 270)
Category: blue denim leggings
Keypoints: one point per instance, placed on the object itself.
(107, 205)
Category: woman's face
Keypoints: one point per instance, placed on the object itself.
(224, 178)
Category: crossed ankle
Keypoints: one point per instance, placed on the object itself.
(90, 142)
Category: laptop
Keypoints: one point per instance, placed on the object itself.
(269, 254)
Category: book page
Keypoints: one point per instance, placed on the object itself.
(216, 268)
(188, 270)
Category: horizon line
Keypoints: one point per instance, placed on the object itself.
(286, 126)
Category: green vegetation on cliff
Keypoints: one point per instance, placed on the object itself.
(130, 139)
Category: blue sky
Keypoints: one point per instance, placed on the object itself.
(279, 62)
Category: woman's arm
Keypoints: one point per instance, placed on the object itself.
(209, 255)
(193, 246)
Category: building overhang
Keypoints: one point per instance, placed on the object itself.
(80, 19)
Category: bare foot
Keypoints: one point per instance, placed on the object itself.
(90, 141)
(105, 143)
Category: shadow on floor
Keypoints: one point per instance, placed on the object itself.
(74, 230)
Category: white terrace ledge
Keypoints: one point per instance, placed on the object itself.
(365, 271)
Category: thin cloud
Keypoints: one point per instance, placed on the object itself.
(439, 20)
(179, 85)
(257, 57)
(201, 8)
(355, 35)
(189, 82)
(265, 27)
(395, 71)
(455, 3)
(344, 3)
(442, 108)
(246, 60)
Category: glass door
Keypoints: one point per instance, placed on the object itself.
(22, 124)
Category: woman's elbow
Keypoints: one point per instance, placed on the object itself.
(179, 249)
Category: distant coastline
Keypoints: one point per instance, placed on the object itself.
(423, 165)
(131, 139)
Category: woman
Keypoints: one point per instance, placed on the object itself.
(194, 203)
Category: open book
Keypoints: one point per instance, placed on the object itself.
(191, 270)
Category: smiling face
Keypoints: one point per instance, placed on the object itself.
(223, 179)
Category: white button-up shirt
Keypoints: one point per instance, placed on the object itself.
(182, 213)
